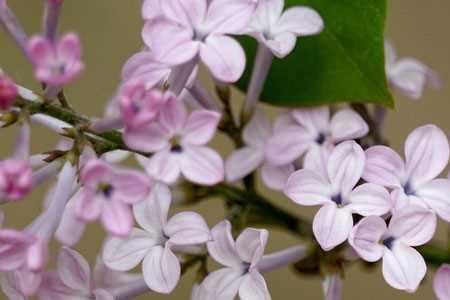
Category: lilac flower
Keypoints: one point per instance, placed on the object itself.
(414, 181)
(441, 283)
(151, 9)
(8, 92)
(337, 194)
(408, 74)
(240, 259)
(16, 179)
(403, 267)
(15, 248)
(245, 160)
(108, 192)
(178, 143)
(199, 28)
(333, 286)
(311, 131)
(59, 63)
(156, 243)
(278, 30)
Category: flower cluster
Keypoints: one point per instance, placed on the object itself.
(373, 204)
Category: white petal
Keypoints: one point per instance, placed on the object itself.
(254, 287)
(161, 270)
(365, 238)
(370, 200)
(164, 166)
(223, 284)
(222, 248)
(315, 120)
(306, 187)
(187, 228)
(436, 195)
(346, 124)
(276, 177)
(300, 20)
(74, 270)
(441, 282)
(258, 130)
(242, 162)
(384, 166)
(251, 244)
(202, 165)
(200, 127)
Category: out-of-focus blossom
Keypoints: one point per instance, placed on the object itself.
(156, 242)
(337, 194)
(403, 266)
(441, 283)
(414, 180)
(58, 63)
(278, 30)
(16, 179)
(8, 92)
(333, 287)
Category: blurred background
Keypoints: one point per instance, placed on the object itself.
(110, 32)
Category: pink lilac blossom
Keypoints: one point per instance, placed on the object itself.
(156, 243)
(8, 92)
(313, 132)
(403, 266)
(441, 283)
(247, 159)
(338, 194)
(414, 180)
(16, 179)
(278, 30)
(200, 28)
(56, 63)
(107, 193)
(178, 141)
(409, 75)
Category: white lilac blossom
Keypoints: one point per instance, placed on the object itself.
(247, 159)
(441, 283)
(157, 241)
(409, 75)
(414, 180)
(403, 266)
(338, 194)
(312, 132)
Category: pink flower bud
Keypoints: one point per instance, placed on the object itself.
(8, 92)
(15, 179)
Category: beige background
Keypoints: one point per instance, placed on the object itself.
(110, 31)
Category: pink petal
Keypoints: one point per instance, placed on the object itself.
(223, 283)
(306, 187)
(151, 214)
(101, 294)
(436, 195)
(187, 228)
(413, 225)
(200, 127)
(71, 228)
(281, 44)
(27, 282)
(302, 21)
(9, 287)
(95, 171)
(151, 9)
(189, 13)
(258, 130)
(348, 125)
(143, 66)
(173, 116)
(332, 226)
(345, 166)
(315, 120)
(88, 206)
(365, 238)
(180, 48)
(14, 249)
(222, 248)
(202, 165)
(427, 153)
(254, 287)
(251, 244)
(384, 166)
(164, 166)
(40, 50)
(161, 270)
(370, 200)
(69, 48)
(242, 162)
(224, 57)
(123, 254)
(74, 270)
(441, 282)
(333, 287)
(117, 218)
(403, 267)
(229, 16)
(130, 186)
(276, 177)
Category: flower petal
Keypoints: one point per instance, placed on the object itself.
(222, 248)
(333, 287)
(315, 120)
(258, 130)
(223, 284)
(74, 270)
(300, 20)
(280, 44)
(189, 13)
(427, 153)
(413, 225)
(365, 238)
(384, 167)
(436, 195)
(242, 162)
(254, 287)
(346, 124)
(163, 166)
(316, 158)
(123, 254)
(200, 127)
(403, 267)
(202, 165)
(88, 206)
(229, 16)
(251, 244)
(71, 228)
(173, 116)
(441, 282)
(187, 228)
(117, 218)
(370, 200)
(276, 177)
(101, 294)
(150, 138)
(332, 226)
(306, 187)
(151, 9)
(130, 186)
(161, 270)
(345, 166)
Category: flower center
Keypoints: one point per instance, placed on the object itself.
(175, 145)
(337, 199)
(320, 138)
(408, 189)
(106, 189)
(388, 242)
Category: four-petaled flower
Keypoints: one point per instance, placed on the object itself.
(108, 192)
(403, 266)
(279, 30)
(337, 194)
(156, 243)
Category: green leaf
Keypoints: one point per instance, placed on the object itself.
(344, 63)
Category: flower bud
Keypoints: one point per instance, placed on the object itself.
(8, 92)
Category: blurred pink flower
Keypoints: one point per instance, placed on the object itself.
(441, 282)
(337, 195)
(16, 179)
(403, 266)
(8, 92)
